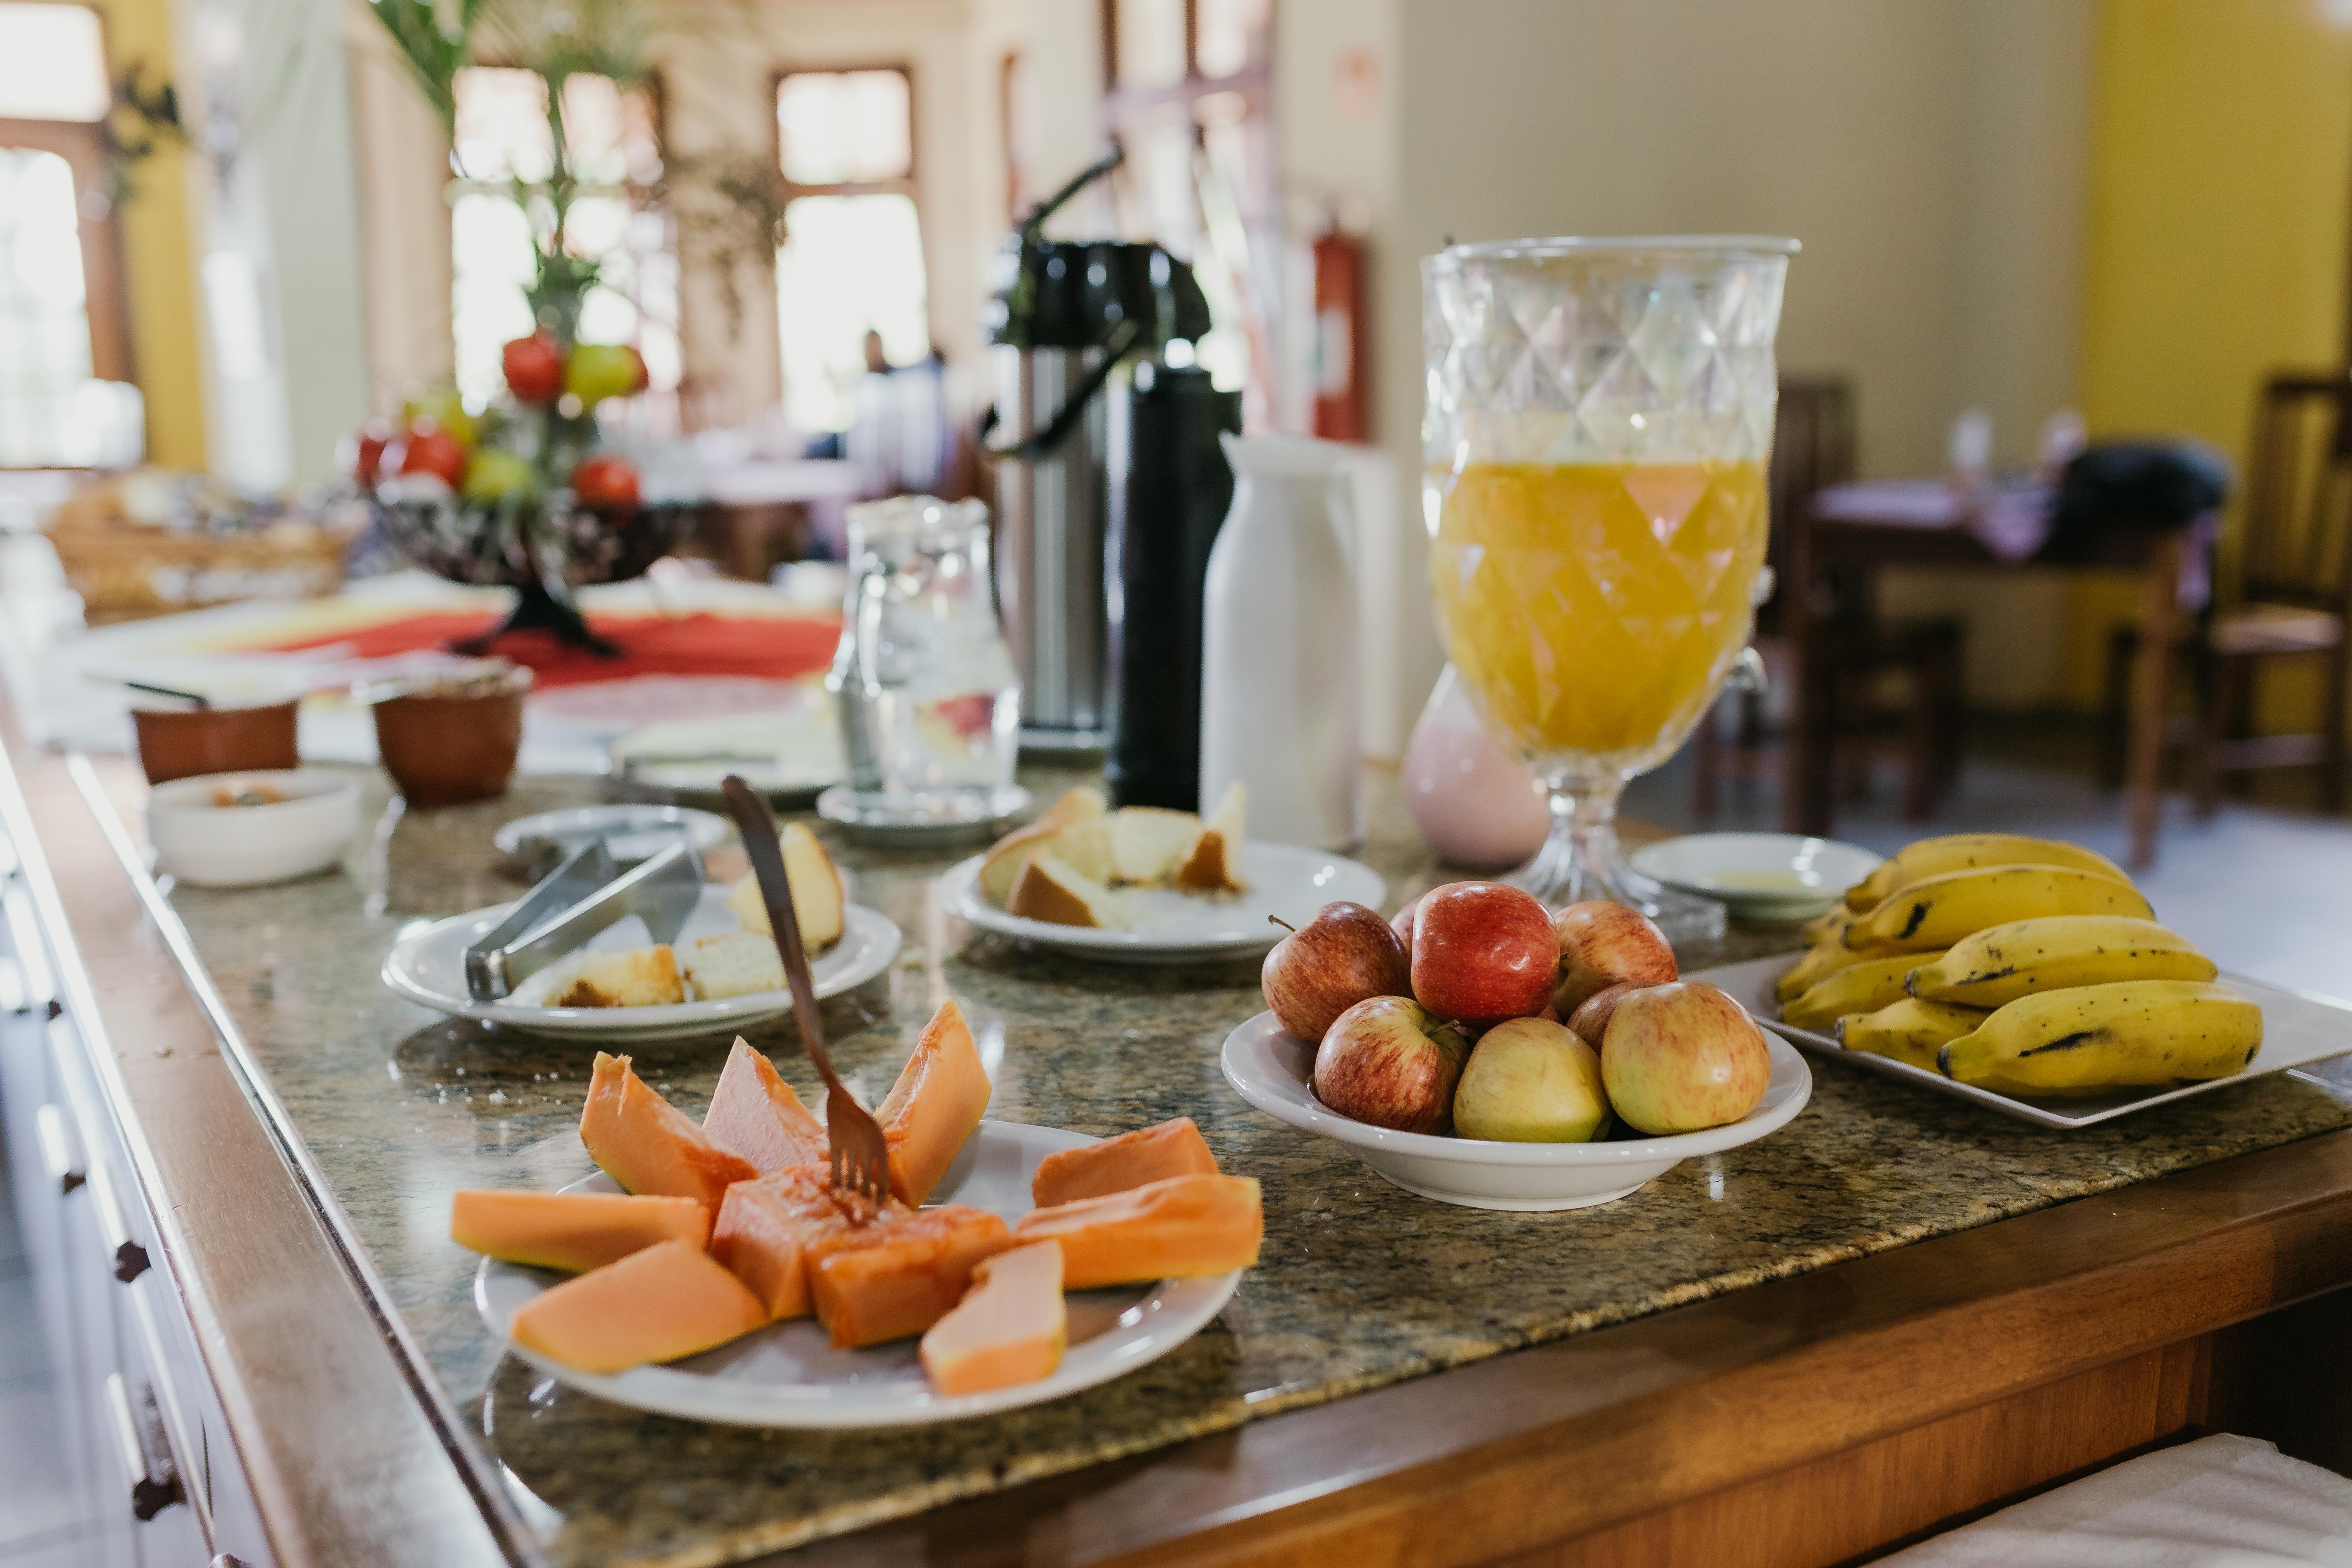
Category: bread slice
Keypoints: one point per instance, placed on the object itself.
(1212, 861)
(734, 964)
(1051, 888)
(1009, 854)
(818, 904)
(1148, 841)
(641, 977)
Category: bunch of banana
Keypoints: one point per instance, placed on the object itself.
(2087, 1039)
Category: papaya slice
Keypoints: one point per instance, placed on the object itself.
(939, 1100)
(765, 1226)
(573, 1231)
(755, 1115)
(649, 1145)
(900, 1273)
(659, 1303)
(1130, 1160)
(1011, 1327)
(1168, 1229)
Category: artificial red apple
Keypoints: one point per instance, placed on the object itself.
(1682, 1057)
(1604, 944)
(1591, 1019)
(429, 450)
(1530, 1081)
(1390, 1061)
(534, 368)
(1482, 952)
(605, 483)
(1346, 954)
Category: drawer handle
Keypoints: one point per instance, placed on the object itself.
(129, 1258)
(57, 1151)
(139, 1440)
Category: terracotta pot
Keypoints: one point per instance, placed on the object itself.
(180, 742)
(448, 748)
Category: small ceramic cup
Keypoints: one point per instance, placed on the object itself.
(180, 742)
(455, 743)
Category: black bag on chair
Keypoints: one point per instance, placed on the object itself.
(2151, 485)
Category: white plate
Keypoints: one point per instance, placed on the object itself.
(633, 833)
(1183, 928)
(789, 1375)
(793, 752)
(1271, 1070)
(1758, 876)
(2298, 1028)
(429, 966)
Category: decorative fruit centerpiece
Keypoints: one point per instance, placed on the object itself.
(1450, 1019)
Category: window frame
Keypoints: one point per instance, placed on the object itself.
(907, 184)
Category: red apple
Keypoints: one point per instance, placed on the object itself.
(1401, 921)
(605, 484)
(1388, 1061)
(367, 452)
(1346, 954)
(1591, 1019)
(1604, 944)
(1682, 1057)
(1482, 952)
(534, 367)
(430, 449)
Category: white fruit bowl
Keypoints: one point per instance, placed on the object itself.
(1271, 1070)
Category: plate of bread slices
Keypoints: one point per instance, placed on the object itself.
(722, 972)
(1142, 884)
(709, 1271)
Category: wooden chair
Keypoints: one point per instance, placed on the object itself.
(1812, 448)
(2287, 595)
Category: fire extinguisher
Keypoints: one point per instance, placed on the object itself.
(1341, 402)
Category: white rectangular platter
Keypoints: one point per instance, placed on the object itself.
(2298, 1029)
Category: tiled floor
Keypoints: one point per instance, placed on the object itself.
(2266, 889)
(40, 1526)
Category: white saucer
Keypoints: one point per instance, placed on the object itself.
(789, 1375)
(1272, 1071)
(1758, 876)
(1184, 928)
(429, 967)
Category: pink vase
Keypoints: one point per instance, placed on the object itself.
(1478, 805)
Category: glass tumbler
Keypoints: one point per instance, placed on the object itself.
(1598, 416)
(930, 705)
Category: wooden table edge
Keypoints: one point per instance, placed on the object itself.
(297, 1335)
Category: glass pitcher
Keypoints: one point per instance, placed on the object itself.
(930, 705)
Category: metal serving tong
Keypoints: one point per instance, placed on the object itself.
(579, 898)
(860, 1159)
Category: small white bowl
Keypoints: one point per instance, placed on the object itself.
(1758, 876)
(206, 845)
(1271, 1070)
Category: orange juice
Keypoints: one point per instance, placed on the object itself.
(1594, 608)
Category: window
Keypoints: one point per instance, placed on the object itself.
(64, 348)
(852, 261)
(503, 136)
(1188, 93)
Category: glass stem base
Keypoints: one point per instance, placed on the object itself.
(1580, 860)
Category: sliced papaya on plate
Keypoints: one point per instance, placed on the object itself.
(938, 1101)
(755, 1115)
(649, 1145)
(1174, 1228)
(1010, 1328)
(662, 1302)
(573, 1231)
(1130, 1160)
(900, 1273)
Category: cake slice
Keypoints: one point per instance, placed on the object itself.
(1050, 888)
(734, 964)
(1002, 863)
(818, 901)
(1212, 863)
(641, 977)
(1148, 841)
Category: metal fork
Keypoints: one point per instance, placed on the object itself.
(860, 1158)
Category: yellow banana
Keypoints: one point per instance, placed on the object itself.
(1820, 961)
(1828, 926)
(1937, 912)
(1863, 987)
(1909, 1031)
(2091, 1039)
(2003, 962)
(1966, 852)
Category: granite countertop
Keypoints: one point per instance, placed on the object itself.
(1360, 1284)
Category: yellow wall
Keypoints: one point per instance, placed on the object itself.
(159, 258)
(2222, 160)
